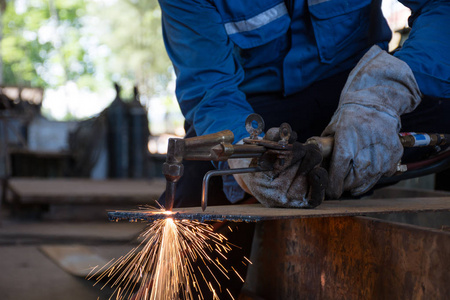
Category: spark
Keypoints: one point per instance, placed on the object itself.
(248, 260)
(165, 263)
(240, 277)
(229, 293)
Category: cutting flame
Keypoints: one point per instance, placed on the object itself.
(165, 264)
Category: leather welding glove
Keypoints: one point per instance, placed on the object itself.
(366, 124)
(296, 181)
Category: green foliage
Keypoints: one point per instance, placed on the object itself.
(40, 39)
(47, 43)
(132, 30)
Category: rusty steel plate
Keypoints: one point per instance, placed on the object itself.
(257, 212)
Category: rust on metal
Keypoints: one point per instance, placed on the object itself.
(348, 258)
(257, 212)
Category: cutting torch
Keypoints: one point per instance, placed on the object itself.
(218, 147)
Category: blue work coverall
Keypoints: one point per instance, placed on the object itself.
(288, 61)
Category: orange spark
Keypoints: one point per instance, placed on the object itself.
(162, 265)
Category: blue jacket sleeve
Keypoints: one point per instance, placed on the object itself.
(427, 50)
(208, 75)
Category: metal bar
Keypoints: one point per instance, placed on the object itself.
(257, 212)
(407, 139)
(212, 173)
(414, 139)
(248, 150)
(225, 136)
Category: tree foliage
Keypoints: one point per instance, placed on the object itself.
(39, 44)
(132, 30)
(47, 43)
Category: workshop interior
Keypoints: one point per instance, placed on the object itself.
(125, 174)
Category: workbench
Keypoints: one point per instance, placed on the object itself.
(395, 245)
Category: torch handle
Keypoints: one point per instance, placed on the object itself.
(408, 139)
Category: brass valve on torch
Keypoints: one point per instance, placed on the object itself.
(218, 147)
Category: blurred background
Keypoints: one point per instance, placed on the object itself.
(86, 108)
(59, 62)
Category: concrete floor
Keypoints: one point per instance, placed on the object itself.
(27, 273)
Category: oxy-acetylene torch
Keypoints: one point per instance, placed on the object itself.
(218, 147)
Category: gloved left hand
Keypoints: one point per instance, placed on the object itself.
(366, 124)
(295, 181)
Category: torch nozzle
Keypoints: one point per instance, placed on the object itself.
(170, 195)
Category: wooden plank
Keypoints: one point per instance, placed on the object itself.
(85, 191)
(348, 258)
(257, 212)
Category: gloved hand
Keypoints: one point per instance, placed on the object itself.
(366, 124)
(298, 181)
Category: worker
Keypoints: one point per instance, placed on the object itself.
(322, 67)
